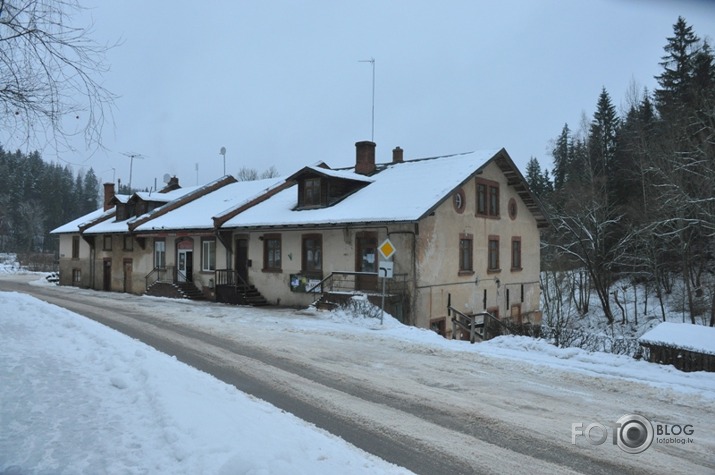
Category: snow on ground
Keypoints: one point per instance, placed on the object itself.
(77, 397)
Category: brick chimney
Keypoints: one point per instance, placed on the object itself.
(364, 157)
(108, 195)
(398, 155)
(171, 185)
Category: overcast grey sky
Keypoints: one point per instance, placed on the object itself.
(279, 83)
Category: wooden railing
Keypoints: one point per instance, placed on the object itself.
(483, 325)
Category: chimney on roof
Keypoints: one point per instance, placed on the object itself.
(108, 195)
(171, 185)
(364, 157)
(398, 155)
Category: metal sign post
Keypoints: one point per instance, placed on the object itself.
(387, 250)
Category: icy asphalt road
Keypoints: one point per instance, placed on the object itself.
(429, 410)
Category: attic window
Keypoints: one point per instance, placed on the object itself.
(311, 192)
(458, 200)
(512, 209)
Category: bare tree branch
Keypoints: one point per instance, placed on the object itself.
(49, 75)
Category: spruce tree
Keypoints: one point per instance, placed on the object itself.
(561, 157)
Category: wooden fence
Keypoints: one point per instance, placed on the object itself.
(684, 360)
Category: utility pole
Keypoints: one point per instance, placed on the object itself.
(372, 61)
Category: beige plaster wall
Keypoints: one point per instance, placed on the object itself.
(438, 257)
(338, 255)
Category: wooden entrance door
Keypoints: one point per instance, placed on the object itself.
(127, 275)
(242, 259)
(107, 274)
(366, 260)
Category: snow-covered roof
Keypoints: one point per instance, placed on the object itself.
(122, 198)
(74, 225)
(398, 192)
(686, 336)
(159, 197)
(111, 226)
(344, 174)
(199, 213)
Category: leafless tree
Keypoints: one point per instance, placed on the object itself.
(271, 172)
(247, 174)
(251, 174)
(50, 89)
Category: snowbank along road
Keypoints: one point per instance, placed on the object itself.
(424, 407)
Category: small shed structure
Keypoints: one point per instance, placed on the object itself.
(687, 347)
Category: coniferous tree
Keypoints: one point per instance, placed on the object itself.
(674, 98)
(90, 192)
(538, 180)
(561, 157)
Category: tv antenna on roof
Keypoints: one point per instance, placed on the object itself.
(132, 156)
(372, 61)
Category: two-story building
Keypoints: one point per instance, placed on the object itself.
(463, 228)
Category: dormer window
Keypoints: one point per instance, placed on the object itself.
(311, 192)
(320, 187)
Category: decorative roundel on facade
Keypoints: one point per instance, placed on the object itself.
(458, 200)
(512, 208)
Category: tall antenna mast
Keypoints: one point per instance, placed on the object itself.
(132, 156)
(223, 152)
(372, 61)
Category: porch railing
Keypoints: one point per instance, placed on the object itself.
(349, 282)
(169, 274)
(229, 277)
(481, 325)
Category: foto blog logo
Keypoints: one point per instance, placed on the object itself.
(632, 433)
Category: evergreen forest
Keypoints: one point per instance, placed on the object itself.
(631, 196)
(36, 197)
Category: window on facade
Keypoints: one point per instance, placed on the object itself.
(481, 198)
(160, 254)
(128, 243)
(313, 254)
(272, 252)
(512, 209)
(311, 192)
(76, 277)
(75, 247)
(487, 198)
(107, 244)
(516, 253)
(458, 201)
(493, 201)
(493, 254)
(465, 253)
(208, 255)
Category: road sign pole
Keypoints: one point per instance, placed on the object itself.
(382, 312)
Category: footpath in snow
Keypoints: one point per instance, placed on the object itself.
(79, 398)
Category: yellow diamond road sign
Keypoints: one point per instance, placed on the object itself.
(386, 249)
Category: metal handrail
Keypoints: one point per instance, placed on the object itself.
(229, 277)
(158, 273)
(470, 323)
